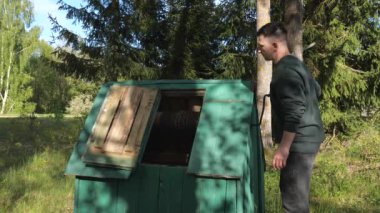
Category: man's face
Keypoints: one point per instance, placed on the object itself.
(265, 47)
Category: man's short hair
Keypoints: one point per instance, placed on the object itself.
(272, 29)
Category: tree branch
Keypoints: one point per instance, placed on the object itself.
(352, 69)
(312, 44)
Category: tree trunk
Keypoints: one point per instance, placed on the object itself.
(293, 22)
(6, 89)
(264, 77)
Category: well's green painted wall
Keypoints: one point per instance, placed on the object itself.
(227, 147)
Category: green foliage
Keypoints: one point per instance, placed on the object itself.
(34, 153)
(111, 45)
(194, 42)
(343, 166)
(50, 89)
(80, 105)
(195, 39)
(33, 156)
(237, 40)
(188, 39)
(16, 47)
(345, 59)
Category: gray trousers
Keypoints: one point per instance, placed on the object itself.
(295, 182)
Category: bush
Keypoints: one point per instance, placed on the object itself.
(80, 105)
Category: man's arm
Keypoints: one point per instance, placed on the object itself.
(292, 100)
(282, 153)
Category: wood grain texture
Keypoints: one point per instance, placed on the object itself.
(123, 121)
(121, 148)
(139, 127)
(105, 116)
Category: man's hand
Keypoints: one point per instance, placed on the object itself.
(282, 153)
(280, 157)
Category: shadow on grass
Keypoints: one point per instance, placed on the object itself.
(22, 138)
(33, 155)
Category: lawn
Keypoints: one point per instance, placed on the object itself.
(34, 153)
(33, 156)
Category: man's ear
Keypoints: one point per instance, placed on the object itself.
(275, 45)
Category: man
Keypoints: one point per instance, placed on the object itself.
(296, 120)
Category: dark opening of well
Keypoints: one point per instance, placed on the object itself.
(173, 131)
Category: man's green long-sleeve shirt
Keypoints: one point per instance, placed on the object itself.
(295, 108)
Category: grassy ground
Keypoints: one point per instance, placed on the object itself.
(34, 154)
(346, 176)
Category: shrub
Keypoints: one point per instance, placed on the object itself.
(80, 105)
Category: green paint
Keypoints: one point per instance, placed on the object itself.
(231, 196)
(189, 201)
(221, 140)
(96, 195)
(149, 189)
(128, 193)
(226, 145)
(210, 195)
(170, 189)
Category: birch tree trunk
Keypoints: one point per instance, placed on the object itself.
(264, 77)
(6, 89)
(293, 22)
(17, 44)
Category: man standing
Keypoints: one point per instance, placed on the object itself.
(296, 120)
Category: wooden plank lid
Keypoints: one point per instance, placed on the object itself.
(117, 134)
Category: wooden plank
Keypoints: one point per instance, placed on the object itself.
(148, 190)
(170, 191)
(122, 123)
(76, 196)
(119, 154)
(210, 194)
(183, 93)
(97, 156)
(247, 191)
(231, 196)
(128, 194)
(96, 195)
(140, 125)
(189, 201)
(105, 116)
(220, 145)
(240, 197)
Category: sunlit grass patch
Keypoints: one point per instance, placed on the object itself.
(346, 176)
(33, 157)
(38, 186)
(34, 154)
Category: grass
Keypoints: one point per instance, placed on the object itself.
(34, 153)
(33, 156)
(346, 176)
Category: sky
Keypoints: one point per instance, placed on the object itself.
(42, 9)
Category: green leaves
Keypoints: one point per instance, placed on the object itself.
(346, 57)
(16, 47)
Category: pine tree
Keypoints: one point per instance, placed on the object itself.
(192, 40)
(236, 57)
(345, 59)
(111, 49)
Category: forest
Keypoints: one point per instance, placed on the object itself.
(194, 39)
(184, 39)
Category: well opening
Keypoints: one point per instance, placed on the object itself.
(172, 135)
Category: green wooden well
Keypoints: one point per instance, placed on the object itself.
(199, 150)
